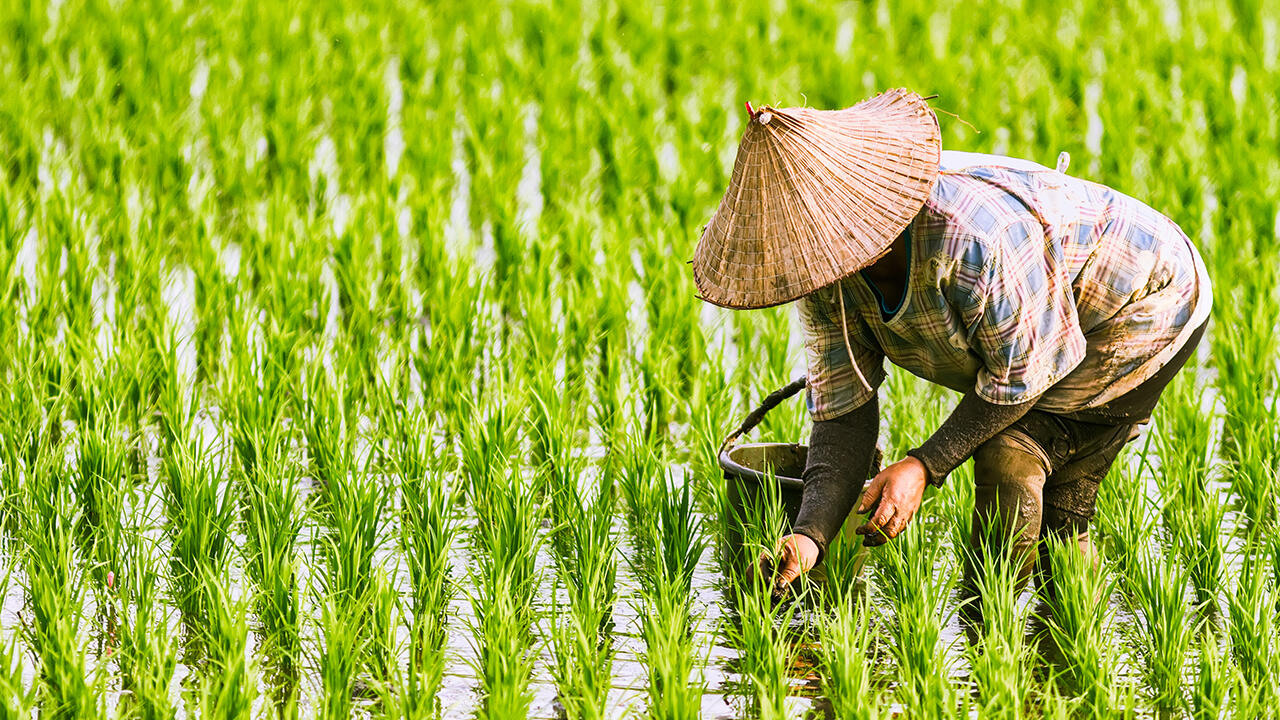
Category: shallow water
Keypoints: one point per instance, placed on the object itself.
(724, 694)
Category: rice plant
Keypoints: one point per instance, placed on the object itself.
(1125, 520)
(762, 629)
(1080, 627)
(200, 510)
(669, 546)
(102, 484)
(582, 634)
(767, 654)
(1193, 515)
(1000, 658)
(272, 524)
(148, 655)
(847, 657)
(19, 699)
(427, 531)
(916, 585)
(55, 596)
(328, 328)
(1214, 680)
(1251, 627)
(506, 580)
(1158, 591)
(669, 653)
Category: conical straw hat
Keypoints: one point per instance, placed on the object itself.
(815, 196)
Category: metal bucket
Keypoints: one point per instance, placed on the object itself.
(749, 466)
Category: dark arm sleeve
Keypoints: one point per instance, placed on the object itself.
(840, 454)
(972, 422)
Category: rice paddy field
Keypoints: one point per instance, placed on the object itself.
(352, 365)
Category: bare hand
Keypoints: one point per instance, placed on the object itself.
(796, 554)
(893, 496)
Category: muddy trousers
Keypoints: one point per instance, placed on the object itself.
(1039, 477)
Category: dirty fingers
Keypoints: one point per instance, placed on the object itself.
(892, 498)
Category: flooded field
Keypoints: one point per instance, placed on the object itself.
(353, 366)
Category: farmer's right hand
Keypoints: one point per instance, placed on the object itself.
(796, 554)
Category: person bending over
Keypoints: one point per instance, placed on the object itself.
(1058, 307)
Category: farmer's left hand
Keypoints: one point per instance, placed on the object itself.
(895, 495)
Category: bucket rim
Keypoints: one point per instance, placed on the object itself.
(732, 467)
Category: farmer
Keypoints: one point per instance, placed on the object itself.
(1059, 308)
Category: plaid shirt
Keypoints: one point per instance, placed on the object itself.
(1023, 282)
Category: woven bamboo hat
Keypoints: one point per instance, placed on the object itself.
(815, 196)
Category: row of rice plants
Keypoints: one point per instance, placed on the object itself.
(666, 533)
(151, 147)
(582, 513)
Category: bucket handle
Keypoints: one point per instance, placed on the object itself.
(771, 401)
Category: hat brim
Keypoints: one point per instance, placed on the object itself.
(816, 196)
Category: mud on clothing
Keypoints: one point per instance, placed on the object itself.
(1060, 307)
(1023, 283)
(1045, 466)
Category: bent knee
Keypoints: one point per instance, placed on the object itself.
(1011, 458)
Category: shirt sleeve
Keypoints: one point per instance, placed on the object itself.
(842, 455)
(1022, 323)
(834, 387)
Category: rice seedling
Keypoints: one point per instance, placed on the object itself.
(342, 620)
(19, 698)
(254, 398)
(489, 443)
(1247, 381)
(1158, 591)
(427, 530)
(506, 581)
(847, 657)
(679, 543)
(668, 546)
(200, 510)
(1251, 627)
(586, 566)
(669, 654)
(1079, 619)
(102, 484)
(1243, 348)
(55, 595)
(842, 568)
(1000, 658)
(148, 656)
(1192, 515)
(30, 416)
(352, 583)
(767, 654)
(384, 630)
(917, 584)
(228, 688)
(955, 505)
(353, 518)
(1272, 548)
(1254, 472)
(762, 627)
(582, 634)
(272, 524)
(294, 294)
(1125, 518)
(1214, 678)
(1205, 556)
